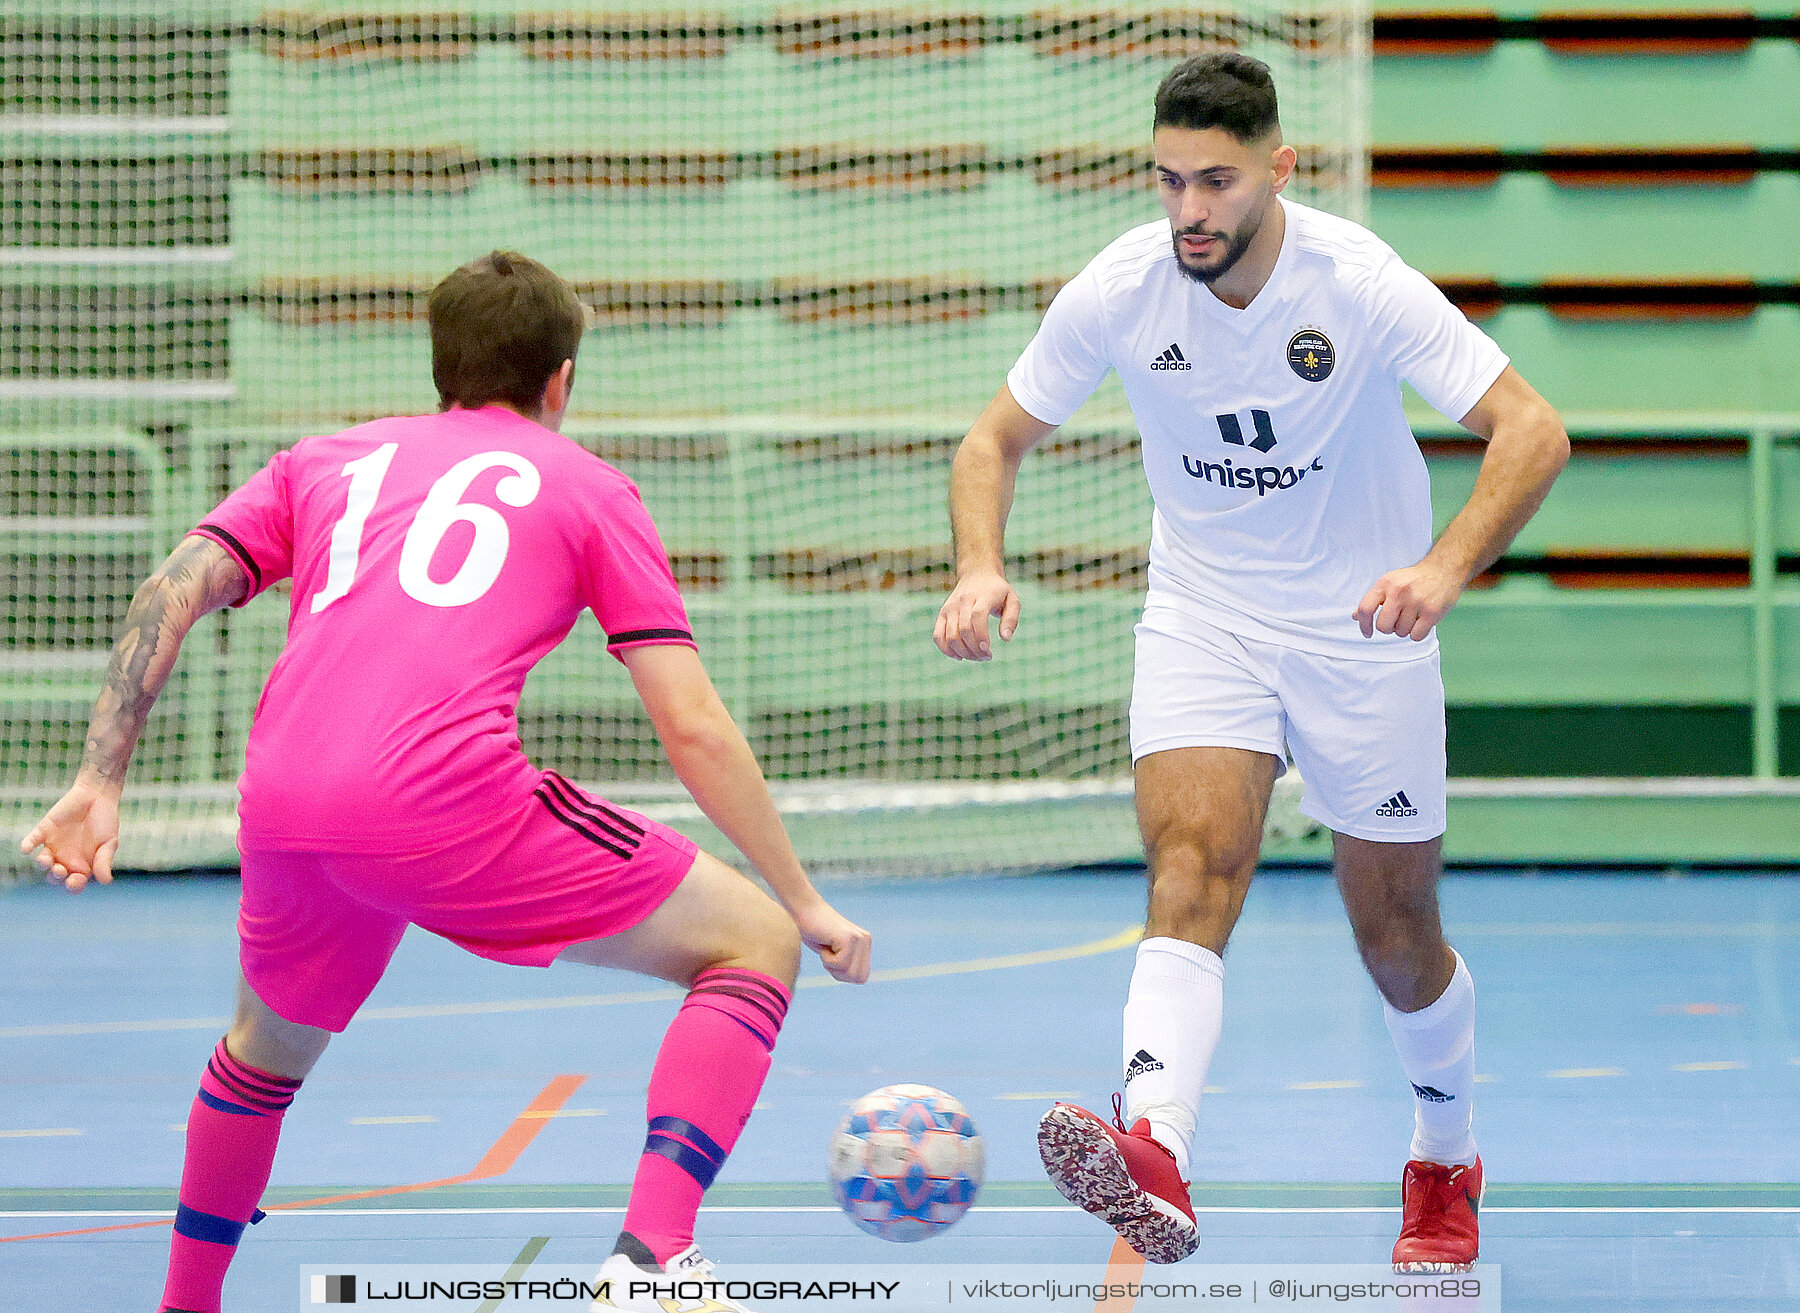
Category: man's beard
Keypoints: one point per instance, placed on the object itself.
(1235, 244)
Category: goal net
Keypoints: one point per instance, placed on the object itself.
(813, 240)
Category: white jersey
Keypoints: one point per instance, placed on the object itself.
(1285, 476)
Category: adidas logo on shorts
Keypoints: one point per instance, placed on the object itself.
(1398, 805)
(1141, 1062)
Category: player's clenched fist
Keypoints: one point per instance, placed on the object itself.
(842, 945)
(962, 623)
(1407, 602)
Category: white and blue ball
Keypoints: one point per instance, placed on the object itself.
(906, 1162)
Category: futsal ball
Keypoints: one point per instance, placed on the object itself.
(906, 1162)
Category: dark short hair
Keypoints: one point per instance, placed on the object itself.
(1220, 90)
(501, 326)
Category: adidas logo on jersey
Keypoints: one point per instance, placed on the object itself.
(1171, 358)
(1141, 1063)
(1398, 805)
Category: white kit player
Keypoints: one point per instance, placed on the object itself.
(1294, 590)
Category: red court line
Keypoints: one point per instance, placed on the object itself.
(1125, 1265)
(497, 1161)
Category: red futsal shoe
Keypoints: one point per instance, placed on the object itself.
(1440, 1230)
(1123, 1177)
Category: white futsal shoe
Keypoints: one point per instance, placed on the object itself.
(634, 1282)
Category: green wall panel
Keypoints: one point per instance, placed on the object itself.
(1526, 228)
(1521, 95)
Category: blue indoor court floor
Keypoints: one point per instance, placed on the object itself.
(1637, 1111)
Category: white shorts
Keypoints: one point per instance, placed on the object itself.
(1367, 736)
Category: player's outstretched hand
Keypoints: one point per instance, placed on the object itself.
(962, 623)
(842, 945)
(77, 838)
(1408, 602)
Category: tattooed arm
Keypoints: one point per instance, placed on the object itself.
(77, 838)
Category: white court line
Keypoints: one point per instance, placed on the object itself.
(117, 257)
(41, 1132)
(114, 389)
(122, 125)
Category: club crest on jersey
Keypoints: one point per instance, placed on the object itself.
(1311, 355)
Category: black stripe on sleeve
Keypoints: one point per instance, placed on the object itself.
(649, 635)
(237, 550)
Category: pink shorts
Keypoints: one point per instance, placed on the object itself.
(317, 929)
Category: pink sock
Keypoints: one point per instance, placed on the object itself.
(231, 1133)
(707, 1076)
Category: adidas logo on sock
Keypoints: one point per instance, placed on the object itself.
(1398, 805)
(1171, 358)
(1431, 1094)
(1141, 1063)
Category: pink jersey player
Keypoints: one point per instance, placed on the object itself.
(435, 559)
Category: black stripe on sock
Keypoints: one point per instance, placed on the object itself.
(267, 1080)
(746, 980)
(730, 991)
(684, 1156)
(686, 1129)
(249, 1096)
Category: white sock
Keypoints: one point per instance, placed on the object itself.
(1172, 1020)
(1437, 1052)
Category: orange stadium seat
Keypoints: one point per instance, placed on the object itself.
(1440, 34)
(878, 33)
(625, 36)
(1578, 166)
(422, 37)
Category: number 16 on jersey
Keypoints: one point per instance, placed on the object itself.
(443, 507)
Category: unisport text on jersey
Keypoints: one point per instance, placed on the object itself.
(1264, 478)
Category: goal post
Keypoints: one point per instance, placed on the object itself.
(812, 240)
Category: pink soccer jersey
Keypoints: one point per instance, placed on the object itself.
(435, 560)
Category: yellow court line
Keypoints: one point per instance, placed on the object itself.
(520, 1265)
(1112, 943)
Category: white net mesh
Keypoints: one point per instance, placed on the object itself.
(813, 241)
